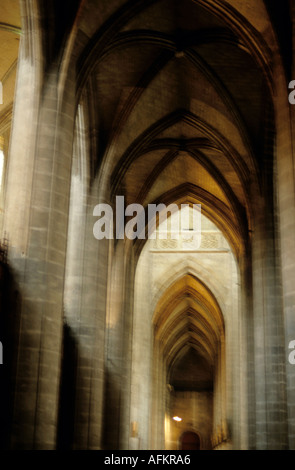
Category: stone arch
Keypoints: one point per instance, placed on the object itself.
(188, 267)
(194, 441)
(187, 305)
(176, 331)
(50, 82)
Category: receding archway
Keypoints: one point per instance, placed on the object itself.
(189, 440)
(189, 340)
(185, 302)
(191, 400)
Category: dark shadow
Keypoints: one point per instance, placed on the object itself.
(280, 16)
(190, 441)
(9, 329)
(111, 413)
(66, 419)
(57, 19)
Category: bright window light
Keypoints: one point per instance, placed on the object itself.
(1, 166)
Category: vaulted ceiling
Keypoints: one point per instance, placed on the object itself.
(181, 104)
(179, 94)
(189, 326)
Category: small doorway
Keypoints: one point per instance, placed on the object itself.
(190, 441)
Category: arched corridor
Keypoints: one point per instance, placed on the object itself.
(131, 118)
(179, 347)
(189, 441)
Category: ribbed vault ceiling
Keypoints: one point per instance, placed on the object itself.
(188, 323)
(178, 92)
(181, 96)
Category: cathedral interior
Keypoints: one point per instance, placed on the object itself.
(147, 342)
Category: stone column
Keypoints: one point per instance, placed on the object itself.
(120, 425)
(219, 428)
(269, 352)
(161, 398)
(247, 354)
(36, 216)
(285, 179)
(84, 302)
